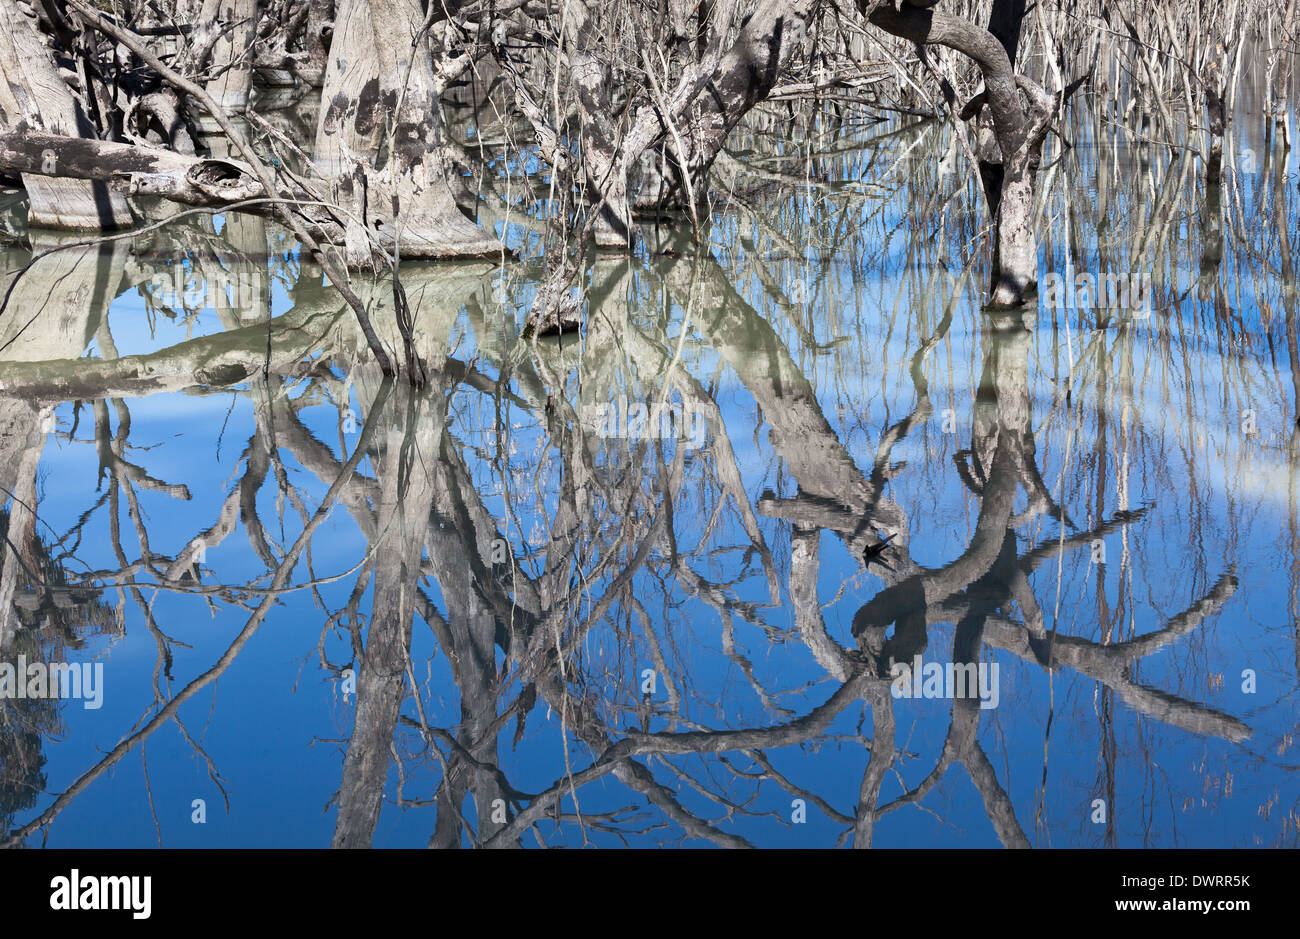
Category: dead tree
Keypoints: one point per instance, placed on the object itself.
(1012, 139)
(379, 140)
(34, 95)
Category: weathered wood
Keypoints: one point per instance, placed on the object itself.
(163, 106)
(129, 168)
(230, 54)
(1018, 132)
(378, 139)
(604, 157)
(150, 171)
(745, 76)
(316, 40)
(33, 94)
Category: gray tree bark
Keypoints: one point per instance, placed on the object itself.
(33, 95)
(745, 76)
(232, 53)
(378, 139)
(1018, 131)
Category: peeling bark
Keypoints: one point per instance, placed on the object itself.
(378, 138)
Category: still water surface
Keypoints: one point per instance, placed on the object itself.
(633, 588)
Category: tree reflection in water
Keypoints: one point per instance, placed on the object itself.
(516, 575)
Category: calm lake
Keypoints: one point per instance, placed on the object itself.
(792, 545)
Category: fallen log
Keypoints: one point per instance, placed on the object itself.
(129, 168)
(137, 170)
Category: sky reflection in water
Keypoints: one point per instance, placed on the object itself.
(1102, 507)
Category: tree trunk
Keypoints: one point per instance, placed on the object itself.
(1212, 209)
(231, 58)
(378, 139)
(1014, 274)
(603, 163)
(316, 41)
(137, 169)
(34, 96)
(1011, 136)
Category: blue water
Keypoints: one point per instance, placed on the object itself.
(1155, 425)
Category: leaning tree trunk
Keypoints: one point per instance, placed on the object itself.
(1013, 134)
(1004, 23)
(378, 139)
(1009, 180)
(34, 97)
